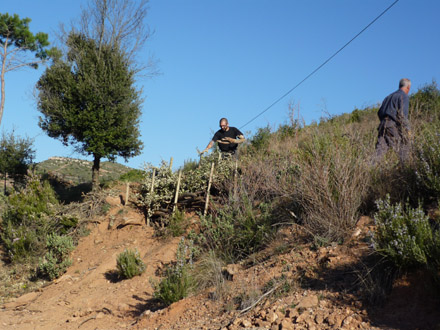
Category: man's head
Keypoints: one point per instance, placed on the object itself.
(405, 85)
(224, 124)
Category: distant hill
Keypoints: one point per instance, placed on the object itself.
(77, 171)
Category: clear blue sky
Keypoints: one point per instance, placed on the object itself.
(233, 58)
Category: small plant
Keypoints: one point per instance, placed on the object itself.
(237, 231)
(129, 264)
(56, 260)
(177, 224)
(178, 281)
(404, 235)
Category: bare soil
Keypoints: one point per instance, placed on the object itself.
(324, 290)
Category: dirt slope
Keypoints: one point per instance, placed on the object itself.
(321, 293)
(89, 296)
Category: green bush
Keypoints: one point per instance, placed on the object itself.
(237, 230)
(428, 161)
(405, 236)
(27, 219)
(129, 264)
(177, 224)
(56, 261)
(179, 280)
(331, 181)
(133, 176)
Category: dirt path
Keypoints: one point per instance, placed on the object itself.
(89, 295)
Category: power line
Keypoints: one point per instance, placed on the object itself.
(319, 67)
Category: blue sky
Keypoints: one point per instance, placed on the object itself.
(233, 58)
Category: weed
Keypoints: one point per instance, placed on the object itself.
(178, 281)
(129, 264)
(404, 235)
(56, 259)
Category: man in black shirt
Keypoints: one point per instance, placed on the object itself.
(227, 138)
(394, 126)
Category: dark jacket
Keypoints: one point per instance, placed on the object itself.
(395, 107)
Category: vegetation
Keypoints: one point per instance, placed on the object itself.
(129, 264)
(405, 236)
(179, 280)
(99, 113)
(56, 260)
(17, 43)
(16, 155)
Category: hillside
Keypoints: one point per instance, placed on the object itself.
(308, 288)
(77, 171)
(308, 229)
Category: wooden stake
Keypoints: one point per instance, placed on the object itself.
(127, 192)
(153, 176)
(176, 197)
(235, 179)
(171, 163)
(209, 188)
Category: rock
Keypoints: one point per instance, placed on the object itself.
(262, 324)
(229, 271)
(292, 313)
(271, 317)
(23, 300)
(113, 200)
(286, 324)
(319, 318)
(308, 302)
(335, 319)
(246, 324)
(129, 222)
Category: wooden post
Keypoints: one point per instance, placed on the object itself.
(235, 179)
(171, 163)
(176, 197)
(127, 192)
(209, 188)
(151, 191)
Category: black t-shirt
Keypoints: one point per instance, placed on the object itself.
(232, 132)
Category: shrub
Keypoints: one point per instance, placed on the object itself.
(56, 261)
(27, 219)
(177, 224)
(237, 230)
(129, 264)
(332, 180)
(133, 176)
(404, 235)
(178, 281)
(428, 161)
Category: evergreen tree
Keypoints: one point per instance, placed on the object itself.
(89, 101)
(17, 45)
(15, 156)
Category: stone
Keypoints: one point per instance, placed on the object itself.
(319, 318)
(229, 271)
(308, 302)
(292, 313)
(271, 317)
(335, 319)
(21, 301)
(286, 324)
(246, 324)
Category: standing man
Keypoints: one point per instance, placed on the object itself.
(227, 138)
(394, 126)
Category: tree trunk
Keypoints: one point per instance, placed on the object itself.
(95, 172)
(2, 83)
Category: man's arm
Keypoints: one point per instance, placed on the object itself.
(238, 140)
(209, 146)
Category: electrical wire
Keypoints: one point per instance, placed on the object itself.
(320, 66)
